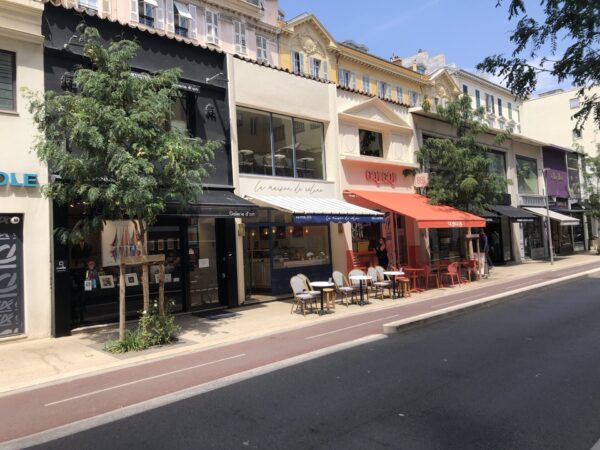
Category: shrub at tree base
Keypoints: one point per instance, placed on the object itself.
(153, 329)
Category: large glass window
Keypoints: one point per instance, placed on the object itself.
(527, 177)
(284, 146)
(272, 144)
(497, 163)
(371, 143)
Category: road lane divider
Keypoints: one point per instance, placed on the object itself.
(141, 380)
(350, 327)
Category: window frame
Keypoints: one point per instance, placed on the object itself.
(526, 158)
(499, 100)
(240, 37)
(477, 98)
(213, 36)
(13, 61)
(264, 49)
(294, 144)
(143, 18)
(510, 112)
(366, 86)
(380, 133)
(400, 94)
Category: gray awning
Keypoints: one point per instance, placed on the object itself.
(516, 214)
(565, 221)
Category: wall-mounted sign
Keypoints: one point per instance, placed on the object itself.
(421, 180)
(381, 177)
(287, 188)
(18, 180)
(327, 218)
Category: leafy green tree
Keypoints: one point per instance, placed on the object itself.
(591, 174)
(111, 143)
(576, 22)
(459, 169)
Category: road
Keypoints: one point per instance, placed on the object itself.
(518, 375)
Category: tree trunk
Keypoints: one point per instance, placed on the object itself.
(145, 287)
(121, 302)
(161, 289)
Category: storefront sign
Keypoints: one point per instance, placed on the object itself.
(18, 180)
(289, 188)
(421, 180)
(183, 86)
(328, 218)
(455, 224)
(242, 214)
(379, 177)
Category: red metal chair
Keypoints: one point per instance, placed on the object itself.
(452, 274)
(429, 274)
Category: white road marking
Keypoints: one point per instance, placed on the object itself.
(141, 380)
(128, 411)
(463, 299)
(350, 327)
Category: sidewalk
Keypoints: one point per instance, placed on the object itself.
(27, 363)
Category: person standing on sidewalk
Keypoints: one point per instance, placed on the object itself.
(484, 245)
(382, 254)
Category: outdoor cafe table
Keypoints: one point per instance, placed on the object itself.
(320, 285)
(361, 279)
(413, 272)
(393, 274)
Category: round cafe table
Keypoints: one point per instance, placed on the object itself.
(361, 279)
(320, 285)
(413, 272)
(393, 274)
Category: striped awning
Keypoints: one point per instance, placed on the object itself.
(565, 221)
(317, 210)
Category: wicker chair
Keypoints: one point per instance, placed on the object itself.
(343, 287)
(301, 297)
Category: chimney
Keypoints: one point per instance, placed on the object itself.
(414, 66)
(395, 59)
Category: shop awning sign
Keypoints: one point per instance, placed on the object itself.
(335, 218)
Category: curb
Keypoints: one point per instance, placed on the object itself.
(456, 310)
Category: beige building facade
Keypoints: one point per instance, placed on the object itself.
(25, 216)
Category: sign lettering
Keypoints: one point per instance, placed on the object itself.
(421, 180)
(455, 224)
(292, 188)
(381, 177)
(16, 180)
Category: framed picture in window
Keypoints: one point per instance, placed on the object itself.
(106, 282)
(131, 279)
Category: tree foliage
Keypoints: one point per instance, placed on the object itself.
(591, 174)
(576, 22)
(111, 143)
(459, 169)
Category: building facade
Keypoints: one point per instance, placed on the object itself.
(249, 28)
(25, 215)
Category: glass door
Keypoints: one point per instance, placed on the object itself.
(202, 258)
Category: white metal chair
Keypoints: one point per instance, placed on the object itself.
(343, 287)
(377, 285)
(381, 277)
(301, 298)
(308, 289)
(355, 283)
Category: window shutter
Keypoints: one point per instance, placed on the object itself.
(311, 67)
(325, 71)
(301, 62)
(237, 36)
(354, 80)
(215, 18)
(244, 38)
(341, 77)
(193, 22)
(160, 14)
(105, 8)
(208, 19)
(133, 11)
(292, 61)
(170, 16)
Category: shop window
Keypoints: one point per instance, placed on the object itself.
(446, 243)
(283, 159)
(533, 238)
(309, 149)
(272, 144)
(8, 78)
(371, 143)
(527, 175)
(299, 245)
(179, 118)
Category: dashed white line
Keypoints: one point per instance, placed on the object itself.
(141, 380)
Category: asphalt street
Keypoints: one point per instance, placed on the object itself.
(517, 375)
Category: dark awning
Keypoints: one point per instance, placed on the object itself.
(215, 203)
(515, 214)
(490, 216)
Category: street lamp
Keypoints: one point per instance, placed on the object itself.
(548, 226)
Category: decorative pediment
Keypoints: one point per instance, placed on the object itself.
(444, 85)
(309, 45)
(375, 113)
(307, 24)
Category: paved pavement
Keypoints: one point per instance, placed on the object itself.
(518, 375)
(47, 407)
(28, 363)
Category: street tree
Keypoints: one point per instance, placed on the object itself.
(537, 50)
(460, 169)
(110, 144)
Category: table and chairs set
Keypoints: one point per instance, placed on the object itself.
(321, 296)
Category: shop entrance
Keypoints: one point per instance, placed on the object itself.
(499, 240)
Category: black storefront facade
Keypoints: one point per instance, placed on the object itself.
(198, 239)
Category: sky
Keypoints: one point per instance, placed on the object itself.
(466, 31)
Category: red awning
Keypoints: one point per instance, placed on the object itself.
(416, 207)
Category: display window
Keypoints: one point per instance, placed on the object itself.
(446, 243)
